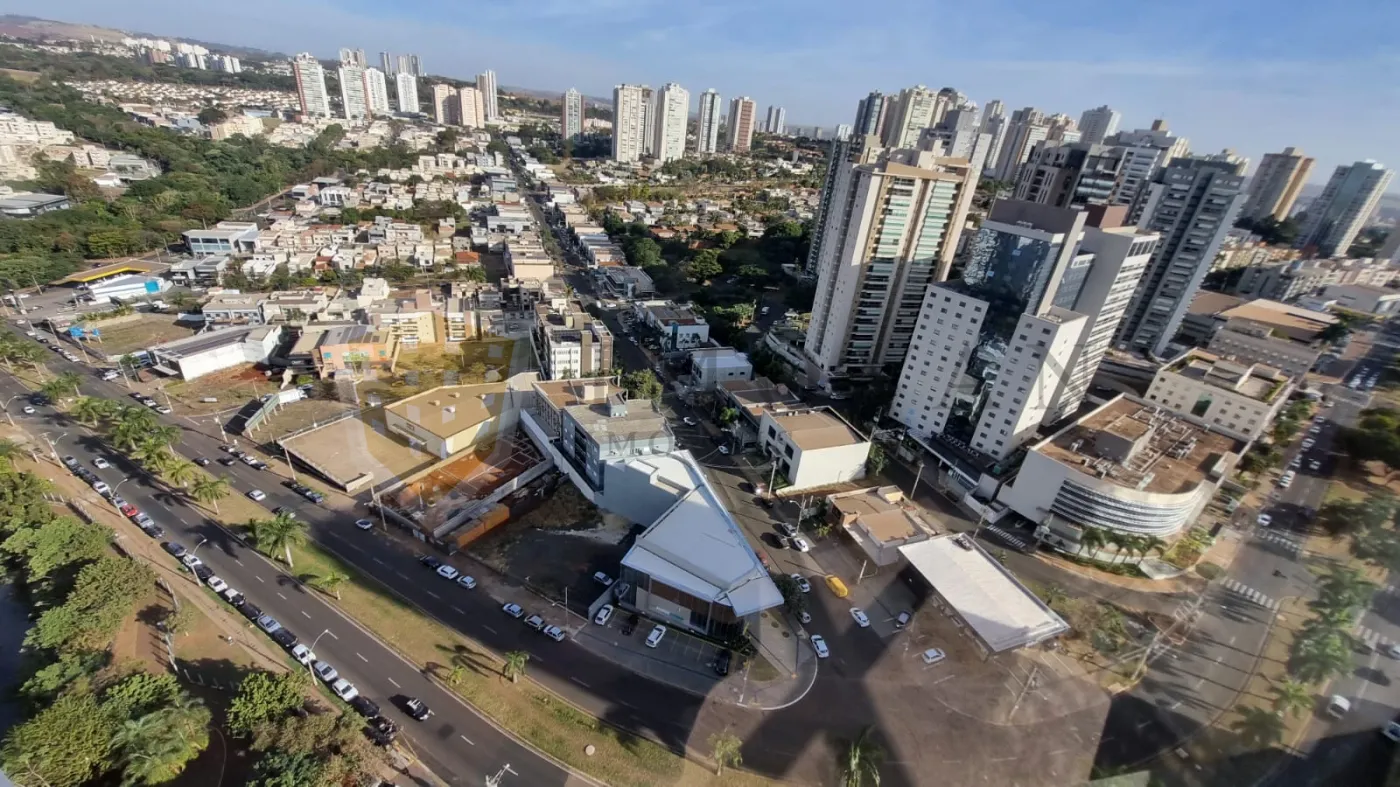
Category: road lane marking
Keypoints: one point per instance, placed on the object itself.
(332, 633)
(401, 575)
(488, 628)
(362, 658)
(465, 738)
(279, 595)
(434, 595)
(396, 683)
(458, 610)
(239, 562)
(581, 683)
(303, 614)
(380, 562)
(258, 578)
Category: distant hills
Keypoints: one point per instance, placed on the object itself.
(30, 27)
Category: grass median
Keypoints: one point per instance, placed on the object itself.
(526, 709)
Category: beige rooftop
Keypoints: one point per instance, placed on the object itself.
(447, 410)
(814, 429)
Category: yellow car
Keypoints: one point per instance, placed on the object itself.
(837, 586)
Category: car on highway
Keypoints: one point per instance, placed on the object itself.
(514, 610)
(604, 615)
(325, 672)
(819, 645)
(202, 461)
(345, 690)
(1286, 480)
(1315, 465)
(217, 585)
(933, 656)
(418, 709)
(553, 632)
(285, 510)
(535, 622)
(257, 494)
(364, 524)
(28, 409)
(173, 548)
(467, 582)
(724, 449)
(430, 562)
(654, 638)
(802, 583)
(1264, 520)
(447, 572)
(304, 655)
(800, 544)
(268, 623)
(100, 463)
(1308, 443)
(227, 461)
(860, 617)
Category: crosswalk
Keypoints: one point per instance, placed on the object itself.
(1014, 541)
(1287, 542)
(1250, 594)
(1371, 637)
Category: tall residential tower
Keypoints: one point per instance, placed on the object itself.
(629, 107)
(1345, 205)
(707, 131)
(742, 116)
(1276, 184)
(672, 115)
(311, 86)
(571, 122)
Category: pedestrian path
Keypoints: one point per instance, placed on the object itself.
(1250, 594)
(1288, 542)
(1015, 541)
(1371, 637)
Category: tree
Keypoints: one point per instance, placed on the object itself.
(876, 460)
(64, 745)
(456, 675)
(862, 760)
(1259, 728)
(704, 267)
(54, 544)
(155, 748)
(330, 582)
(283, 531)
(728, 416)
(208, 489)
(141, 693)
(1092, 539)
(64, 386)
(181, 472)
(103, 595)
(642, 384)
(285, 769)
(263, 696)
(211, 115)
(725, 748)
(1320, 658)
(1291, 697)
(514, 665)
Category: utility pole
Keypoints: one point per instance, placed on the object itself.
(917, 477)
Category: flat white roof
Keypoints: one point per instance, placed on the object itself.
(1002, 612)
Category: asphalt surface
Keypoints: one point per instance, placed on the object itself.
(455, 742)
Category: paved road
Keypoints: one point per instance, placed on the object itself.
(455, 743)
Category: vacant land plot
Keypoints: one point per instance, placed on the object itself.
(299, 415)
(146, 330)
(231, 387)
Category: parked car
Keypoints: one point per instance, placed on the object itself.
(173, 548)
(553, 632)
(860, 617)
(304, 655)
(258, 495)
(604, 615)
(364, 524)
(101, 463)
(722, 663)
(430, 562)
(447, 572)
(217, 585)
(345, 690)
(514, 610)
(325, 672)
(250, 610)
(801, 544)
(268, 623)
(819, 645)
(933, 656)
(284, 637)
(654, 638)
(535, 622)
(902, 619)
(802, 583)
(602, 579)
(787, 530)
(1264, 520)
(467, 582)
(365, 706)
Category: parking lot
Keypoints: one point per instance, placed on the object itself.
(680, 659)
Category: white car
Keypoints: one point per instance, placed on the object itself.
(802, 583)
(447, 572)
(819, 645)
(602, 579)
(28, 410)
(514, 610)
(303, 655)
(801, 544)
(724, 449)
(191, 561)
(364, 524)
(467, 582)
(258, 495)
(217, 585)
(100, 463)
(345, 690)
(860, 617)
(325, 672)
(1391, 730)
(604, 615)
(1264, 520)
(1392, 650)
(654, 638)
(1309, 443)
(163, 410)
(933, 656)
(553, 632)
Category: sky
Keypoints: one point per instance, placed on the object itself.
(1251, 75)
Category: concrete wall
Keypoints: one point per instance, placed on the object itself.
(826, 466)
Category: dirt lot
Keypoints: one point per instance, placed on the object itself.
(558, 544)
(299, 415)
(232, 387)
(119, 338)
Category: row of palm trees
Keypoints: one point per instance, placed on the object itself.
(1321, 651)
(15, 350)
(1094, 539)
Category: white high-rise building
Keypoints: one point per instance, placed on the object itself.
(353, 57)
(311, 86)
(743, 113)
(354, 97)
(377, 92)
(471, 108)
(1098, 124)
(1025, 128)
(648, 120)
(707, 131)
(888, 227)
(776, 122)
(1192, 204)
(1276, 185)
(1347, 201)
(843, 131)
(486, 84)
(387, 64)
(406, 88)
(571, 121)
(1145, 151)
(629, 109)
(672, 115)
(911, 113)
(443, 105)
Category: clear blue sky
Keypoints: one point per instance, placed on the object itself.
(1247, 74)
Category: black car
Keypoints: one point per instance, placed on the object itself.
(250, 611)
(154, 531)
(285, 510)
(227, 461)
(173, 548)
(430, 562)
(237, 600)
(365, 706)
(284, 637)
(203, 572)
(202, 461)
(722, 663)
(312, 495)
(418, 709)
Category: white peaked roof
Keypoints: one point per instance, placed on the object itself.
(1002, 612)
(696, 546)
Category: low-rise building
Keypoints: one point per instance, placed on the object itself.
(412, 321)
(813, 448)
(1130, 467)
(625, 281)
(594, 434)
(1380, 301)
(450, 419)
(226, 237)
(880, 520)
(355, 348)
(550, 399)
(679, 326)
(24, 205)
(571, 343)
(234, 309)
(212, 351)
(710, 366)
(1241, 400)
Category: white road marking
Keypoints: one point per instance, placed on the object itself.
(465, 738)
(362, 658)
(488, 628)
(396, 683)
(434, 595)
(279, 595)
(380, 562)
(239, 562)
(303, 614)
(458, 610)
(258, 578)
(401, 575)
(581, 683)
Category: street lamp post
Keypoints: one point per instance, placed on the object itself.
(52, 449)
(119, 486)
(917, 477)
(285, 454)
(9, 417)
(312, 648)
(201, 543)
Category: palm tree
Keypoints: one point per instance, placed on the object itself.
(54, 389)
(331, 582)
(166, 435)
(724, 747)
(1153, 544)
(1259, 727)
(1291, 697)
(283, 531)
(1093, 540)
(69, 380)
(514, 665)
(209, 489)
(155, 748)
(131, 426)
(1320, 660)
(181, 472)
(862, 760)
(1053, 594)
(457, 675)
(90, 410)
(152, 453)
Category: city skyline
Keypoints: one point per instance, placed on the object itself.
(1215, 88)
